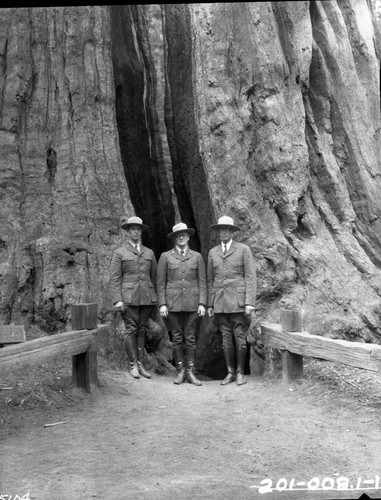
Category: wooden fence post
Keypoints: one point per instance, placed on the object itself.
(84, 365)
(292, 364)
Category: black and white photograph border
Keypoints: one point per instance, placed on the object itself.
(265, 114)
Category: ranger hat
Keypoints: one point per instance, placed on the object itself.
(125, 222)
(225, 221)
(180, 228)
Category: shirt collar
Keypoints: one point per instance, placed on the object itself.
(178, 249)
(133, 244)
(228, 244)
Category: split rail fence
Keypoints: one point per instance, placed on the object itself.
(294, 343)
(82, 343)
(86, 337)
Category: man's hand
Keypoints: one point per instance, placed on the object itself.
(163, 311)
(119, 307)
(210, 312)
(201, 311)
(249, 310)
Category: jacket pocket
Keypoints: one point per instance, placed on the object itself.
(172, 271)
(241, 293)
(127, 292)
(238, 268)
(128, 263)
(193, 271)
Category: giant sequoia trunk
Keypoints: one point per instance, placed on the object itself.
(272, 116)
(283, 102)
(62, 181)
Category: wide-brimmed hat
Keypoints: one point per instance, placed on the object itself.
(225, 221)
(125, 222)
(180, 228)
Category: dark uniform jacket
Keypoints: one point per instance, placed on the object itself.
(133, 276)
(232, 281)
(181, 281)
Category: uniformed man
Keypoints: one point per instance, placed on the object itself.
(231, 295)
(181, 290)
(132, 286)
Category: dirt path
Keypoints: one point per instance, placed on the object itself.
(151, 439)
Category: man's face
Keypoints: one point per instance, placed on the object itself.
(134, 233)
(225, 234)
(182, 239)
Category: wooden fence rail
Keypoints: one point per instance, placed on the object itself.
(295, 344)
(82, 344)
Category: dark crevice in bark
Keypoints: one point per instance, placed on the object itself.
(189, 176)
(190, 182)
(303, 229)
(139, 137)
(51, 165)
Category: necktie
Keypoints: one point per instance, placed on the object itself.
(225, 249)
(137, 247)
(183, 253)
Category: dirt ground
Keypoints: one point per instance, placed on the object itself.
(150, 439)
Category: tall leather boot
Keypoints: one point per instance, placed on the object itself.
(229, 359)
(190, 352)
(241, 357)
(143, 372)
(130, 345)
(178, 354)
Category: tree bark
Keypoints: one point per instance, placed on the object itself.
(63, 188)
(287, 119)
(272, 116)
